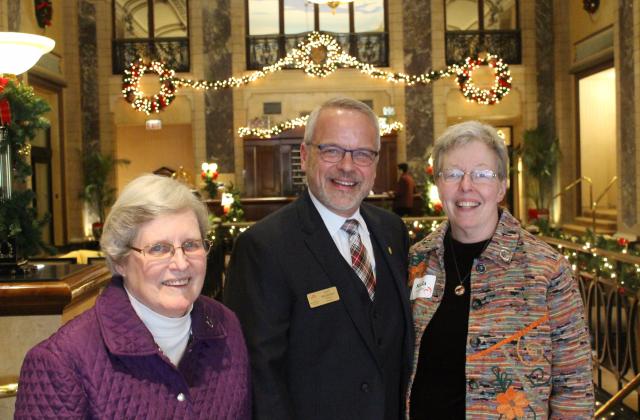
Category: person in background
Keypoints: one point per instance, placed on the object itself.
(151, 347)
(499, 320)
(403, 194)
(320, 285)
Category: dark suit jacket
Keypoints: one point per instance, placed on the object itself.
(315, 363)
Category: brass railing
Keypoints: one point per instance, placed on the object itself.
(593, 204)
(619, 396)
(601, 196)
(572, 185)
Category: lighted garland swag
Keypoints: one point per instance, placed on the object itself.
(302, 57)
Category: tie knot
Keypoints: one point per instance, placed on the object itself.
(350, 226)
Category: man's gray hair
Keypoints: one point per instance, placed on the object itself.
(142, 200)
(466, 132)
(341, 103)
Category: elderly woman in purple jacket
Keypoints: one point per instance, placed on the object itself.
(151, 347)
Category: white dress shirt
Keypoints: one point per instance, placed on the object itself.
(334, 222)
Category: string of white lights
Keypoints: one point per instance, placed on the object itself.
(319, 55)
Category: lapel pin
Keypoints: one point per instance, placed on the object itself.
(390, 250)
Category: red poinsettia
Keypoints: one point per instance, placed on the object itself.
(623, 242)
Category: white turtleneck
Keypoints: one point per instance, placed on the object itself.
(170, 334)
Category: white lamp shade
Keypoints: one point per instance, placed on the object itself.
(20, 51)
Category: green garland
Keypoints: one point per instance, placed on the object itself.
(18, 218)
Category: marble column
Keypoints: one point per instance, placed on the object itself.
(417, 59)
(545, 66)
(89, 99)
(216, 21)
(628, 158)
(13, 11)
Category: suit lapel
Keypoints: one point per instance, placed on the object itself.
(324, 250)
(392, 253)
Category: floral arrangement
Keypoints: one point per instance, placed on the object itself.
(209, 175)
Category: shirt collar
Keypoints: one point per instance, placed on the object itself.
(333, 221)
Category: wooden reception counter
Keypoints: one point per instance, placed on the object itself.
(52, 290)
(34, 306)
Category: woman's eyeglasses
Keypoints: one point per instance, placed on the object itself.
(478, 176)
(334, 154)
(165, 250)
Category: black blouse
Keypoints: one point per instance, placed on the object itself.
(439, 387)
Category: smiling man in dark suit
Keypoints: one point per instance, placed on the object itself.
(319, 286)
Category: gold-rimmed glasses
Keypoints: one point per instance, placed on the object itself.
(165, 250)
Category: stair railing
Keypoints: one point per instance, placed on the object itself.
(593, 204)
(619, 396)
(572, 185)
(600, 197)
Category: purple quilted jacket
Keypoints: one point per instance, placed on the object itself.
(105, 365)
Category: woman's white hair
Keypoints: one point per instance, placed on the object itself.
(142, 200)
(466, 132)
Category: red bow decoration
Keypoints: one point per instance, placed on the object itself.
(5, 109)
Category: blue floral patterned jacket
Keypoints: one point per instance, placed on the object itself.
(528, 349)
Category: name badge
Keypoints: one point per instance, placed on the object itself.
(322, 297)
(423, 287)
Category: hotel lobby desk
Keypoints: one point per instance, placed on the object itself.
(34, 306)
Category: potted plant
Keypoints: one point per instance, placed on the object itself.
(540, 152)
(98, 193)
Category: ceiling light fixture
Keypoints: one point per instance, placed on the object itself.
(21, 51)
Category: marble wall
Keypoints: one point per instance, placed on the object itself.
(628, 178)
(418, 99)
(13, 11)
(545, 66)
(89, 98)
(216, 23)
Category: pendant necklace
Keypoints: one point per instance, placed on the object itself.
(460, 289)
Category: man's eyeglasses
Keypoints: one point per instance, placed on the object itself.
(478, 176)
(334, 154)
(165, 250)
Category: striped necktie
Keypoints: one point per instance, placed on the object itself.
(359, 258)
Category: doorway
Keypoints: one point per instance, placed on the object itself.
(597, 134)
